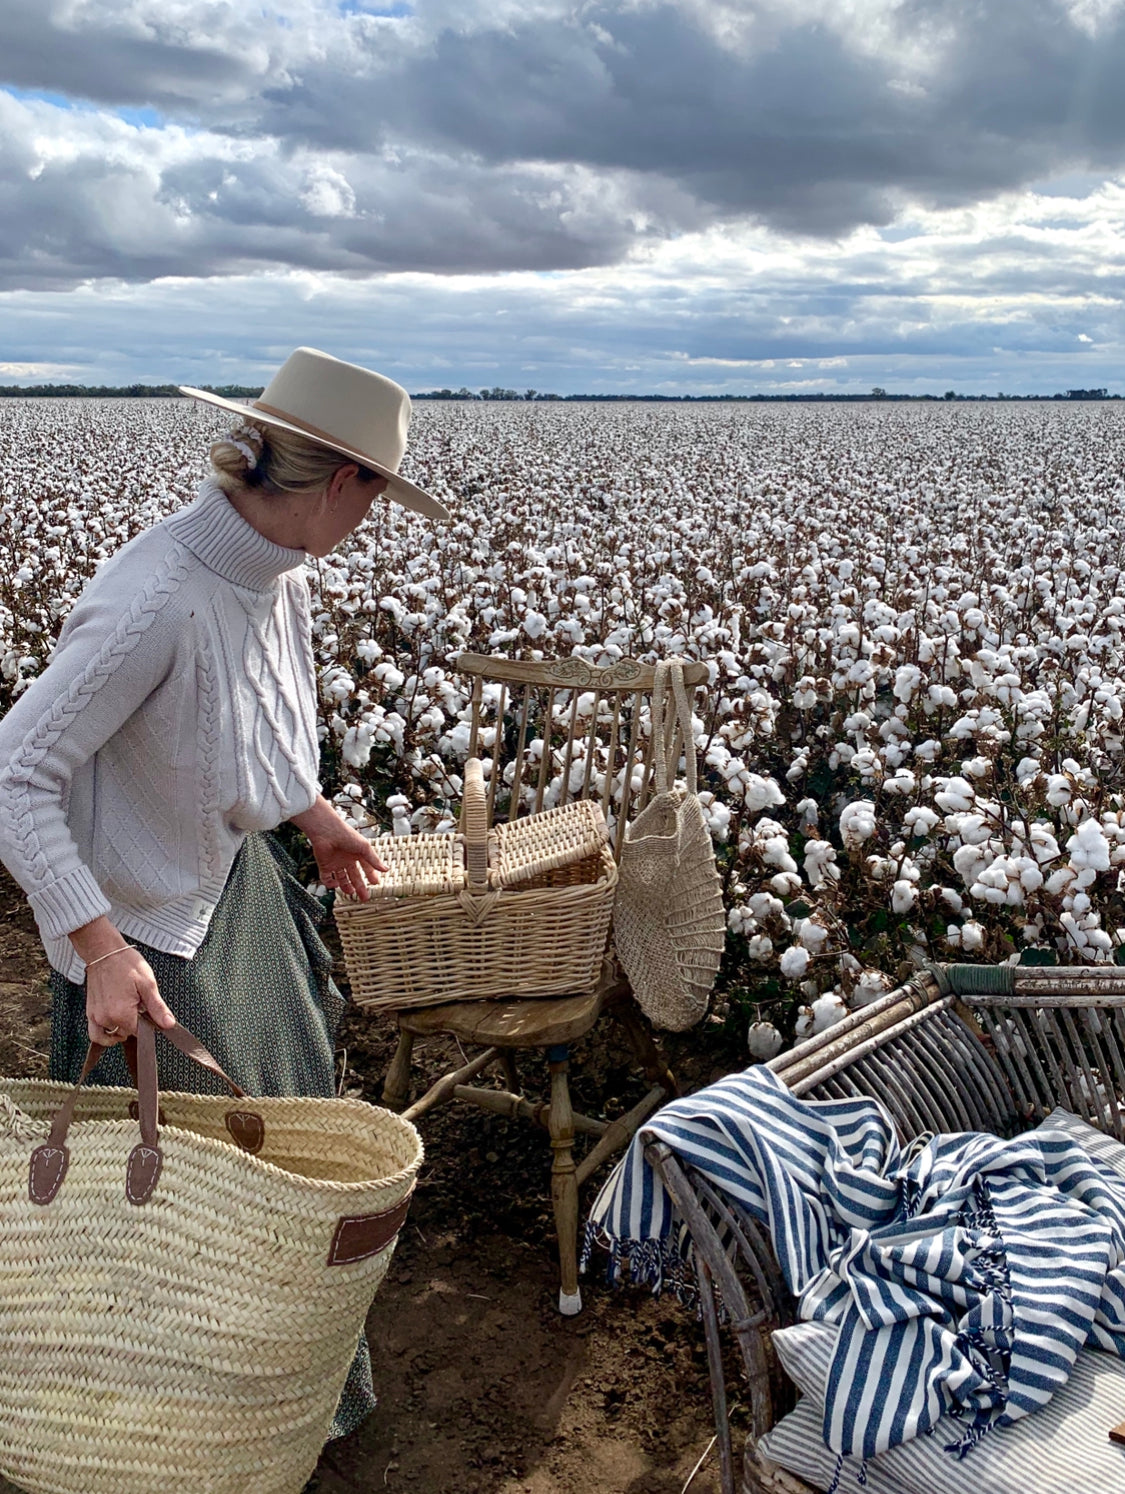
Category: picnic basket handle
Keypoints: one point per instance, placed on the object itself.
(49, 1162)
(474, 826)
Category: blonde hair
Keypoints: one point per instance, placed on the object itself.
(258, 455)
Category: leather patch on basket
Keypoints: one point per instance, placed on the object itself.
(364, 1235)
(135, 1112)
(46, 1173)
(247, 1129)
(142, 1173)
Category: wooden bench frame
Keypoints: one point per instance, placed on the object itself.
(958, 1048)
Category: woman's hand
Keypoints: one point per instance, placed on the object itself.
(116, 990)
(119, 984)
(345, 859)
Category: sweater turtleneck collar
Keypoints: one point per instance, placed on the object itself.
(215, 532)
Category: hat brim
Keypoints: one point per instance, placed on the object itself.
(399, 489)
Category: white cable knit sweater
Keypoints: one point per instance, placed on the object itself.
(177, 714)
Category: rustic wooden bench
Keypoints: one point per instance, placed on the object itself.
(958, 1048)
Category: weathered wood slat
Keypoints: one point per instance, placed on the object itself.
(572, 673)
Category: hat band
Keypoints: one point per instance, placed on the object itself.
(304, 425)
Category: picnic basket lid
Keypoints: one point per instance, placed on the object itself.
(555, 838)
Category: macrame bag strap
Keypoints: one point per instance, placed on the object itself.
(671, 671)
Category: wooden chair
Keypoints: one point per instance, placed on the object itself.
(549, 733)
(961, 1048)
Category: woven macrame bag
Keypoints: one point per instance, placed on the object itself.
(668, 924)
(183, 1279)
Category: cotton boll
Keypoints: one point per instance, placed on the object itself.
(903, 896)
(759, 948)
(739, 919)
(803, 1026)
(977, 767)
(764, 1041)
(857, 822)
(786, 885)
(920, 821)
(973, 829)
(870, 986)
(820, 864)
(794, 962)
(1031, 878)
(1088, 847)
(827, 1010)
(761, 793)
(972, 936)
(809, 812)
(970, 861)
(1027, 770)
(956, 795)
(399, 807)
(812, 935)
(390, 678)
(356, 746)
(1059, 789)
(775, 852)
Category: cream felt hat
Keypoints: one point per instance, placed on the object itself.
(349, 409)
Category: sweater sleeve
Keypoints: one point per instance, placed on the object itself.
(114, 651)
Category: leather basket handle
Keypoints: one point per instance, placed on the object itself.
(49, 1162)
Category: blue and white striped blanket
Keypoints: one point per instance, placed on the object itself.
(964, 1274)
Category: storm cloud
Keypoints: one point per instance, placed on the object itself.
(671, 192)
(540, 136)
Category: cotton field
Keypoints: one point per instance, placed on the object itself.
(914, 617)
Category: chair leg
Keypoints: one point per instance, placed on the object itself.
(564, 1184)
(396, 1086)
(511, 1073)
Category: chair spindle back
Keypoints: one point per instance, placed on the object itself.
(552, 732)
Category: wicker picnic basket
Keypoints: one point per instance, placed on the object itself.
(520, 910)
(183, 1278)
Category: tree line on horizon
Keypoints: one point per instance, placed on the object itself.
(244, 391)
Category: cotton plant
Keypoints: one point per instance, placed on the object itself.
(914, 619)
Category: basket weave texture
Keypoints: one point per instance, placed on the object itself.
(199, 1340)
(522, 910)
(670, 926)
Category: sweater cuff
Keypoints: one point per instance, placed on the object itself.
(68, 904)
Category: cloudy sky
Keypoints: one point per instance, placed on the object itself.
(649, 195)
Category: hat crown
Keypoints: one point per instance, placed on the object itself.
(343, 403)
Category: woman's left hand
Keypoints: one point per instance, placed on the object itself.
(346, 860)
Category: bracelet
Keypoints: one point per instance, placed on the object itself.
(91, 963)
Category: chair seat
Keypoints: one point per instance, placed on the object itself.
(541, 1023)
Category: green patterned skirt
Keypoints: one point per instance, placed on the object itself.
(259, 994)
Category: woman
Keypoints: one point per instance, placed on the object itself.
(175, 725)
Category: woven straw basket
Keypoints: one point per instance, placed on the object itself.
(181, 1311)
(670, 926)
(521, 910)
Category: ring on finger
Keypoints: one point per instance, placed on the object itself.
(109, 1031)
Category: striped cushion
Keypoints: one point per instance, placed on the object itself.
(1062, 1449)
(1037, 1453)
(1097, 1143)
